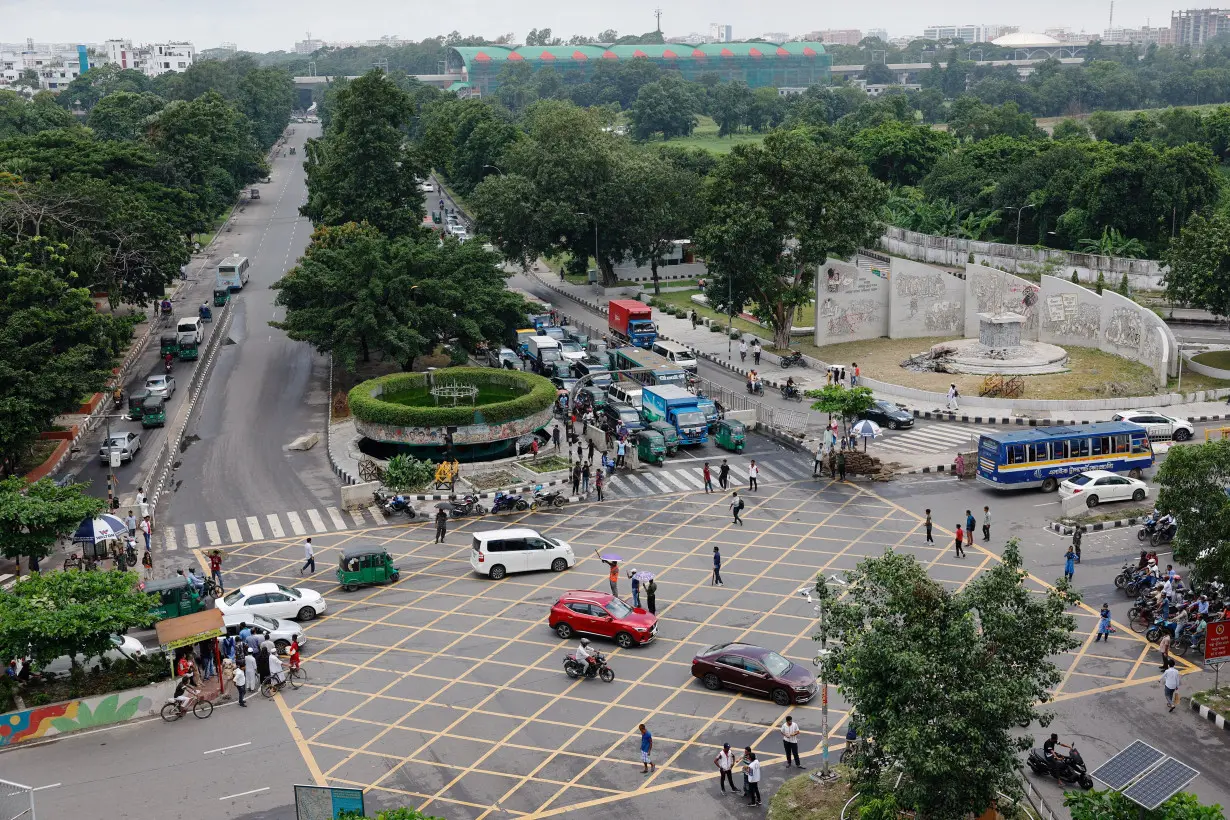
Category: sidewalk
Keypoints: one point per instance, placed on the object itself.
(718, 349)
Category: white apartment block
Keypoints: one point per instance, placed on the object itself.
(151, 59)
(966, 33)
(55, 64)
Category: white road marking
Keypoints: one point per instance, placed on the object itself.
(318, 523)
(738, 473)
(694, 477)
(233, 531)
(357, 515)
(674, 480)
(254, 526)
(48, 786)
(376, 514)
(275, 526)
(295, 524)
(244, 794)
(336, 515)
(168, 539)
(211, 530)
(659, 483)
(228, 748)
(637, 482)
(190, 537)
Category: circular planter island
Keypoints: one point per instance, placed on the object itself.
(482, 411)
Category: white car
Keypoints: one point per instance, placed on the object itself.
(273, 601)
(495, 553)
(161, 386)
(1160, 427)
(126, 444)
(123, 646)
(1099, 485)
(279, 631)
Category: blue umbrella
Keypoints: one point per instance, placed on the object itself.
(103, 528)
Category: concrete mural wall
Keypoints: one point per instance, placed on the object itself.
(1070, 315)
(988, 290)
(852, 300)
(43, 722)
(925, 301)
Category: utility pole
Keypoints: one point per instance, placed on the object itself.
(821, 605)
(657, 13)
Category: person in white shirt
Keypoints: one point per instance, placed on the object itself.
(743, 350)
(952, 397)
(1170, 685)
(790, 740)
(753, 779)
(753, 473)
(584, 655)
(309, 557)
(725, 762)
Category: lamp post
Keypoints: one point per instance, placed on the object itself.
(822, 594)
(1016, 259)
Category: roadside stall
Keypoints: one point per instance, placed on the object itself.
(195, 636)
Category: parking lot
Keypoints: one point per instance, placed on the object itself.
(446, 690)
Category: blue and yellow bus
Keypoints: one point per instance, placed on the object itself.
(654, 369)
(1044, 456)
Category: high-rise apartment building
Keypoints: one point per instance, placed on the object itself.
(966, 33)
(721, 33)
(837, 36)
(1195, 27)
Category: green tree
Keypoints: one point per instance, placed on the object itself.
(1113, 243)
(266, 97)
(942, 678)
(1108, 805)
(124, 115)
(34, 516)
(900, 153)
(667, 106)
(48, 615)
(1193, 481)
(22, 117)
(87, 89)
(1100, 284)
(362, 169)
(1070, 129)
(777, 211)
(729, 104)
(667, 206)
(1123, 289)
(845, 403)
(1199, 260)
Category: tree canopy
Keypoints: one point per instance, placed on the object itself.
(1199, 260)
(1193, 481)
(34, 516)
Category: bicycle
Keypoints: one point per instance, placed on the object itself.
(269, 687)
(201, 708)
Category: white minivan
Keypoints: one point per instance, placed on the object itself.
(678, 354)
(495, 553)
(189, 330)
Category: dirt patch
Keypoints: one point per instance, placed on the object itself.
(493, 479)
(801, 798)
(546, 464)
(1092, 373)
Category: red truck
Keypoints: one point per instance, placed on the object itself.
(632, 321)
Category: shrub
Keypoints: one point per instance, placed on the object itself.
(1123, 285)
(1100, 284)
(716, 328)
(408, 473)
(734, 333)
(538, 395)
(1076, 280)
(457, 356)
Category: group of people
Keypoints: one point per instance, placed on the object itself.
(726, 761)
(833, 449)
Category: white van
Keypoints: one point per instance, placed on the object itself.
(677, 353)
(495, 553)
(628, 393)
(189, 329)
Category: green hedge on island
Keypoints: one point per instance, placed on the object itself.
(538, 394)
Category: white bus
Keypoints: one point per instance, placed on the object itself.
(232, 273)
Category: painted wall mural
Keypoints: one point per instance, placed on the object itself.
(1065, 315)
(1123, 329)
(73, 715)
(470, 434)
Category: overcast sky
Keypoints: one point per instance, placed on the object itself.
(262, 25)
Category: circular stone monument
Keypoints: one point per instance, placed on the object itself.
(1000, 349)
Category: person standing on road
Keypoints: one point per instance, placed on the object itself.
(309, 557)
(970, 523)
(585, 474)
(576, 478)
(1103, 624)
(841, 465)
(599, 479)
(927, 523)
(146, 526)
(647, 750)
(1076, 541)
(651, 596)
(736, 506)
(147, 561)
(441, 526)
(555, 438)
(790, 741)
(613, 575)
(619, 453)
(717, 568)
(833, 462)
(1170, 685)
(131, 522)
(953, 395)
(725, 762)
(756, 351)
(986, 523)
(1069, 565)
(1164, 646)
(142, 502)
(743, 350)
(708, 478)
(636, 588)
(215, 567)
(753, 780)
(753, 473)
(960, 540)
(240, 680)
(723, 474)
(854, 376)
(590, 451)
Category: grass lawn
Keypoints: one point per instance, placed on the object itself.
(1218, 701)
(804, 317)
(546, 464)
(706, 136)
(1193, 382)
(1090, 370)
(39, 452)
(1089, 517)
(1214, 358)
(802, 799)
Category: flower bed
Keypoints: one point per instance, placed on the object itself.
(367, 404)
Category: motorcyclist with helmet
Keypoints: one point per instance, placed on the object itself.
(583, 653)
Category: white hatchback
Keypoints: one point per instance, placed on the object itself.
(495, 553)
(273, 601)
(1100, 485)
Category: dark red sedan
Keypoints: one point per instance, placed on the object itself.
(755, 670)
(582, 611)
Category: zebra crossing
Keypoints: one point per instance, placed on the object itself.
(932, 438)
(690, 477)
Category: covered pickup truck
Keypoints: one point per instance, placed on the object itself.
(632, 321)
(678, 408)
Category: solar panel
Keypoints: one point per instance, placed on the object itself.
(1159, 785)
(1127, 765)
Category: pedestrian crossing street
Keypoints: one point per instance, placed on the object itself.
(678, 475)
(932, 438)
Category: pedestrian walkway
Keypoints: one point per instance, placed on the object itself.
(688, 476)
(288, 524)
(934, 438)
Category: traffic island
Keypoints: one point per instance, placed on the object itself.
(1213, 705)
(802, 798)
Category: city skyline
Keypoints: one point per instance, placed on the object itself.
(262, 26)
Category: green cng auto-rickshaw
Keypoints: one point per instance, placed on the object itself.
(188, 351)
(730, 435)
(361, 566)
(220, 296)
(168, 344)
(670, 436)
(136, 399)
(172, 597)
(153, 412)
(650, 447)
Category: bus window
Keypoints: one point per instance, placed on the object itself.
(1101, 446)
(1036, 451)
(1121, 443)
(1140, 446)
(1059, 449)
(1016, 454)
(1080, 448)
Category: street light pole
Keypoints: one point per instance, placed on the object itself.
(822, 594)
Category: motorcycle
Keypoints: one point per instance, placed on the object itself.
(576, 669)
(791, 392)
(167, 364)
(551, 499)
(1164, 535)
(391, 504)
(1161, 627)
(793, 359)
(466, 505)
(1147, 527)
(1142, 615)
(1126, 574)
(757, 388)
(1068, 768)
(1188, 640)
(509, 502)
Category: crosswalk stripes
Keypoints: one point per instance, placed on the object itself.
(232, 531)
(318, 523)
(930, 439)
(168, 539)
(674, 479)
(377, 516)
(295, 524)
(254, 527)
(191, 540)
(357, 516)
(275, 525)
(335, 515)
(211, 532)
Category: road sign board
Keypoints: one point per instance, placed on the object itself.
(1217, 642)
(325, 802)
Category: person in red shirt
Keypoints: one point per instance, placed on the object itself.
(215, 568)
(293, 654)
(960, 538)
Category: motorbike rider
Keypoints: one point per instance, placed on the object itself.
(790, 386)
(167, 361)
(753, 382)
(1048, 751)
(1165, 525)
(583, 654)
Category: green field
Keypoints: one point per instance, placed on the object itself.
(421, 396)
(706, 136)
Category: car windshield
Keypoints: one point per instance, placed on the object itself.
(628, 414)
(571, 347)
(233, 598)
(1080, 480)
(885, 406)
(118, 441)
(267, 623)
(776, 664)
(294, 593)
(617, 608)
(691, 418)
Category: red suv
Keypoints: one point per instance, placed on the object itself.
(604, 615)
